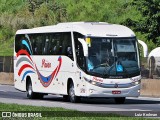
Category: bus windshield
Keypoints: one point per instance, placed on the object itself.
(113, 58)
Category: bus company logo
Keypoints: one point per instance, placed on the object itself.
(45, 64)
(97, 79)
(116, 85)
(46, 80)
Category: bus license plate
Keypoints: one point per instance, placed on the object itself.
(116, 92)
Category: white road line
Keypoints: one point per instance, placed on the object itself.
(3, 91)
(138, 110)
(145, 98)
(6, 85)
(10, 91)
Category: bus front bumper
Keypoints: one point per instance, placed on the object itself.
(95, 91)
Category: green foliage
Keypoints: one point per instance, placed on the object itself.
(33, 5)
(149, 23)
(141, 16)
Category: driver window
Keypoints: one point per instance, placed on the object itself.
(79, 51)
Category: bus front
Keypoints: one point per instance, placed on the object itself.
(113, 68)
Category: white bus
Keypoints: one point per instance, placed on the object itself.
(154, 63)
(77, 59)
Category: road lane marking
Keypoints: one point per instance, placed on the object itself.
(3, 91)
(10, 91)
(139, 110)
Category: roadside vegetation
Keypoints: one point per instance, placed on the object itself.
(141, 16)
(62, 114)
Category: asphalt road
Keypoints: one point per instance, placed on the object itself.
(8, 94)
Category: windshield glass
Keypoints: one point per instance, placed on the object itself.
(113, 58)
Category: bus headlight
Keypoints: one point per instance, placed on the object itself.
(137, 78)
(136, 82)
(93, 82)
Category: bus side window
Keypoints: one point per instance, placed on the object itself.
(24, 47)
(34, 45)
(79, 51)
(53, 47)
(50, 44)
(58, 48)
(58, 44)
(22, 43)
(46, 46)
(18, 45)
(67, 45)
(39, 39)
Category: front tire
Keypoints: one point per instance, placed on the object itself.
(120, 100)
(72, 97)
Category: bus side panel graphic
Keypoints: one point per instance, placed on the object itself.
(45, 81)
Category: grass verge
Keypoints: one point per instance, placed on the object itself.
(52, 113)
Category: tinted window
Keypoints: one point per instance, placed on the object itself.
(45, 44)
(23, 42)
(79, 50)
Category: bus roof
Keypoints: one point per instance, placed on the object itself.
(97, 29)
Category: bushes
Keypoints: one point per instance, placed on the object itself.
(22, 14)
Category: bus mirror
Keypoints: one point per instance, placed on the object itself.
(85, 47)
(145, 48)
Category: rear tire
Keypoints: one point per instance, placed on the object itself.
(120, 100)
(30, 93)
(72, 97)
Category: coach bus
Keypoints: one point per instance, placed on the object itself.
(77, 59)
(154, 63)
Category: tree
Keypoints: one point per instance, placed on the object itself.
(150, 21)
(34, 4)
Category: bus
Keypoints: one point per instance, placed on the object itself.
(154, 63)
(78, 60)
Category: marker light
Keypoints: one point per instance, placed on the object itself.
(91, 90)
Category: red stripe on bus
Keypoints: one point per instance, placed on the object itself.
(23, 67)
(24, 52)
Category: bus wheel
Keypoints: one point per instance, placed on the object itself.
(72, 97)
(30, 93)
(120, 100)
